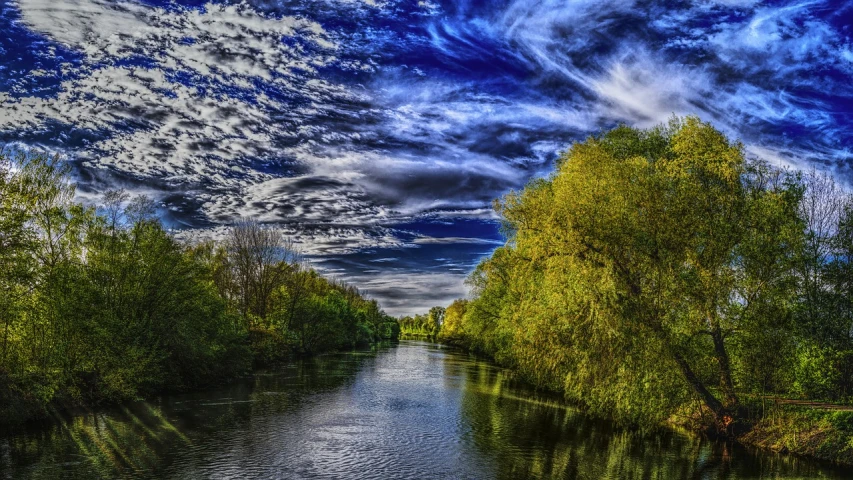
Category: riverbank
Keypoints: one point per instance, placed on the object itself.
(102, 304)
(816, 430)
(805, 429)
(661, 273)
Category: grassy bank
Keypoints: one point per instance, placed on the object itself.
(825, 434)
(818, 430)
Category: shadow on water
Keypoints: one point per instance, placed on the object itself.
(417, 410)
(140, 440)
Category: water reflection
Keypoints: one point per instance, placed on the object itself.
(530, 435)
(413, 411)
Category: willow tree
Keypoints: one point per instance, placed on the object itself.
(657, 248)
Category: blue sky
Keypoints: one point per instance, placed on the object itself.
(376, 133)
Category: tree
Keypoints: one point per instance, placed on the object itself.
(258, 258)
(17, 244)
(823, 318)
(637, 264)
(452, 329)
(105, 304)
(435, 320)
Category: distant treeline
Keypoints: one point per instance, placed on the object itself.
(659, 273)
(103, 304)
(423, 325)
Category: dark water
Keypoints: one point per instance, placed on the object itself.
(412, 411)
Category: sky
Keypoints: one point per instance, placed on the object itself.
(377, 133)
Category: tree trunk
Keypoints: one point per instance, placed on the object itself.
(726, 384)
(710, 400)
(723, 414)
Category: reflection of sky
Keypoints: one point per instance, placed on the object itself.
(378, 132)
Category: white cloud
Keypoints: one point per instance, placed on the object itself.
(317, 241)
(778, 41)
(223, 46)
(456, 241)
(640, 90)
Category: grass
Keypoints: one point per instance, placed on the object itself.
(811, 431)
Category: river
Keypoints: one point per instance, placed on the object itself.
(414, 410)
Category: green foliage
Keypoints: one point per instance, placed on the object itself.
(106, 305)
(656, 268)
(817, 433)
(823, 372)
(427, 325)
(452, 329)
(268, 346)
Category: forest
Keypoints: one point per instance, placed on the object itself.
(661, 273)
(104, 304)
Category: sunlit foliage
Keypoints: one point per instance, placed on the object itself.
(104, 304)
(427, 325)
(660, 268)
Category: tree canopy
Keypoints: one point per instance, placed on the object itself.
(657, 267)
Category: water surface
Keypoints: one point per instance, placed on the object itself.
(416, 410)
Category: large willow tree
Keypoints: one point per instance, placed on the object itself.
(635, 270)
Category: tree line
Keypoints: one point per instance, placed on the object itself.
(658, 272)
(105, 304)
(422, 325)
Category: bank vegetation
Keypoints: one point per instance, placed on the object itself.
(103, 304)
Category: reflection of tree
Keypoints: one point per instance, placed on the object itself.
(143, 439)
(534, 435)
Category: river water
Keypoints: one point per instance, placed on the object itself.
(415, 410)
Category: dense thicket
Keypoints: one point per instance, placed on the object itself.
(105, 304)
(658, 269)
